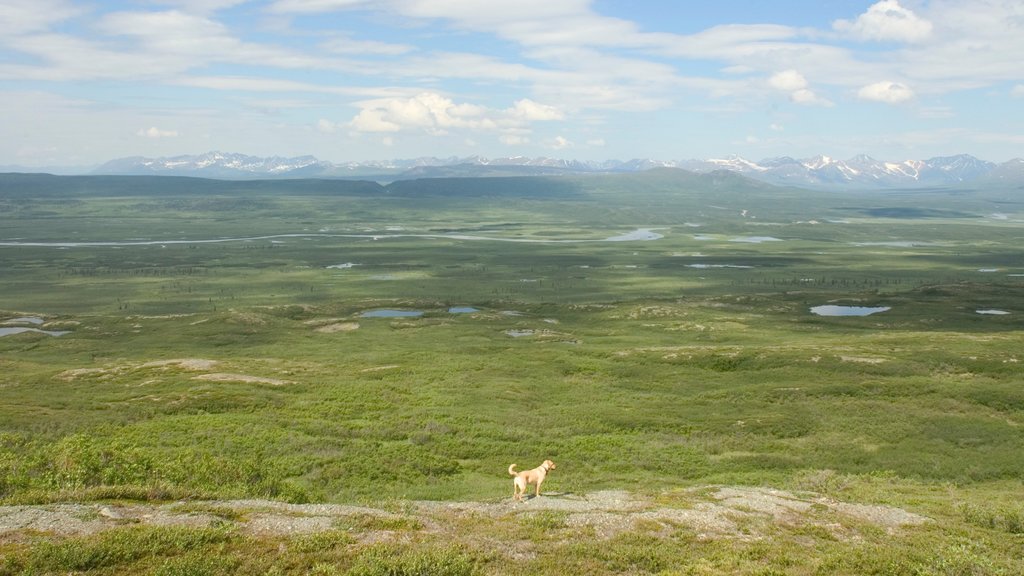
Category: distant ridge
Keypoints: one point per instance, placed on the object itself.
(820, 171)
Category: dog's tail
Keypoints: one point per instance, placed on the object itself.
(512, 469)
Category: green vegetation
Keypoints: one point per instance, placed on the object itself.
(198, 369)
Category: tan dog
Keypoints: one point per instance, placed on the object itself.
(527, 477)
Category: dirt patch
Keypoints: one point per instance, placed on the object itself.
(379, 368)
(224, 377)
(338, 327)
(739, 513)
(190, 364)
(862, 359)
(195, 364)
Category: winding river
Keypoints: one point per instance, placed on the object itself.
(641, 234)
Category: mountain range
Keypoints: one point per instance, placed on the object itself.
(861, 171)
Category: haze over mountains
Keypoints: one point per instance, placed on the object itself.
(821, 171)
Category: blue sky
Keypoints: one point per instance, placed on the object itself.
(82, 82)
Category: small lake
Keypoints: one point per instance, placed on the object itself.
(755, 239)
(992, 312)
(26, 320)
(642, 234)
(704, 266)
(462, 310)
(10, 331)
(830, 310)
(391, 314)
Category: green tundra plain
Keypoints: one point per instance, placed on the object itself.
(217, 349)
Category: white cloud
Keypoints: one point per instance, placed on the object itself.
(529, 110)
(427, 111)
(154, 132)
(887, 21)
(596, 142)
(885, 91)
(806, 97)
(796, 85)
(436, 114)
(27, 16)
(347, 45)
(514, 139)
(1018, 91)
(560, 143)
(326, 126)
(203, 6)
(777, 127)
(788, 81)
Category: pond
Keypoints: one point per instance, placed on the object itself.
(391, 314)
(992, 312)
(830, 310)
(755, 239)
(10, 331)
(26, 320)
(462, 310)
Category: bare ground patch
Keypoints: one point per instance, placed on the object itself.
(338, 327)
(727, 512)
(189, 364)
(226, 377)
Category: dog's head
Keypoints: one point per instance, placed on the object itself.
(549, 464)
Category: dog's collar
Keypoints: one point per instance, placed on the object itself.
(545, 466)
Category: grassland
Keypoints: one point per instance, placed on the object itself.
(242, 368)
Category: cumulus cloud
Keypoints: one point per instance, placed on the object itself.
(560, 143)
(154, 132)
(886, 91)
(788, 81)
(437, 114)
(796, 85)
(529, 110)
(887, 21)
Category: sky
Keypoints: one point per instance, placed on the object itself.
(83, 82)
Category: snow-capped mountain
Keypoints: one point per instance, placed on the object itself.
(216, 165)
(819, 171)
(858, 172)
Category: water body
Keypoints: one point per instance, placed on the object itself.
(392, 314)
(830, 310)
(462, 310)
(19, 330)
(26, 320)
(520, 333)
(642, 234)
(992, 312)
(703, 266)
(900, 244)
(344, 266)
(755, 239)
